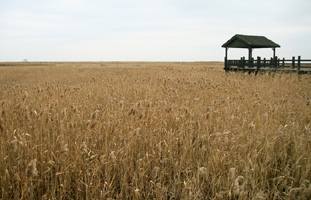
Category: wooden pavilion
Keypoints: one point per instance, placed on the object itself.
(250, 42)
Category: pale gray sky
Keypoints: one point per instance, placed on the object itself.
(148, 30)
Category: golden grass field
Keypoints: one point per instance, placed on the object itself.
(152, 131)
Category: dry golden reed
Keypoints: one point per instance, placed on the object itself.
(152, 131)
(32, 170)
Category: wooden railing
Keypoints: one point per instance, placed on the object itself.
(274, 64)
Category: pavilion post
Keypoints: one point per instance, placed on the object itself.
(250, 50)
(273, 52)
(226, 58)
(250, 59)
(274, 59)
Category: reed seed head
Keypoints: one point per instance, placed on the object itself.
(31, 170)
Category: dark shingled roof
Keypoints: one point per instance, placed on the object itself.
(250, 41)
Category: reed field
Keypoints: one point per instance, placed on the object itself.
(127, 130)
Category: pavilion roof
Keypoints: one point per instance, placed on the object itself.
(250, 41)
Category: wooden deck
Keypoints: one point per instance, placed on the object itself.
(272, 65)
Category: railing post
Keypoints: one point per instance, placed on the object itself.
(293, 62)
(251, 62)
(258, 63)
(264, 62)
(241, 63)
(275, 61)
(299, 58)
(283, 62)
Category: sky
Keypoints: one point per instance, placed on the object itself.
(149, 30)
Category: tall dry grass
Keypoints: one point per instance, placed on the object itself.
(153, 131)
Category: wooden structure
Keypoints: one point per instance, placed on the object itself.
(255, 65)
(301, 66)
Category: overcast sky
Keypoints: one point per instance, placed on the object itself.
(148, 30)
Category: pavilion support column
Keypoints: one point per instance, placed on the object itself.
(226, 58)
(250, 57)
(250, 50)
(273, 52)
(274, 63)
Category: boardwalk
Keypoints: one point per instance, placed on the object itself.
(301, 66)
